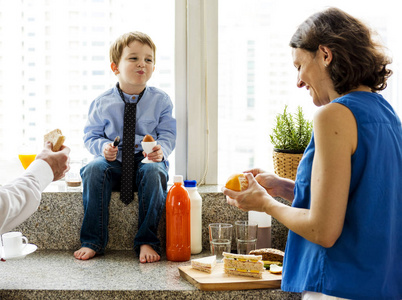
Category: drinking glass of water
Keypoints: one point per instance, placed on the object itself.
(246, 236)
(220, 239)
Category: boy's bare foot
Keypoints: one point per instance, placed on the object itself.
(84, 253)
(148, 254)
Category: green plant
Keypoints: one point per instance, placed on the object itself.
(291, 132)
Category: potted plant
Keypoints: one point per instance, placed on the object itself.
(290, 137)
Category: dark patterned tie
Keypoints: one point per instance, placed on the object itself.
(128, 161)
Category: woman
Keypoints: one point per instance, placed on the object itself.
(345, 237)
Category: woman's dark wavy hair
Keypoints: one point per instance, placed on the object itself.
(357, 59)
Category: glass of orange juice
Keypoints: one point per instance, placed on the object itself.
(26, 155)
(26, 159)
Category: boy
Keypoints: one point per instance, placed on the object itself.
(132, 59)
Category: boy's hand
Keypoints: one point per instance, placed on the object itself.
(110, 152)
(156, 155)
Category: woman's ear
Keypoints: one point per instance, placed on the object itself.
(114, 68)
(326, 54)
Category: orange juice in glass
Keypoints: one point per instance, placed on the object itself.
(26, 159)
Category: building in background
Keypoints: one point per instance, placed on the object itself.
(54, 60)
(257, 77)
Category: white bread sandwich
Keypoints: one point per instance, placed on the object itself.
(56, 138)
(205, 264)
(243, 265)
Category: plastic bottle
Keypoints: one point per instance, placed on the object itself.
(264, 228)
(196, 216)
(178, 222)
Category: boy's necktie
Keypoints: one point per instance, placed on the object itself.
(128, 161)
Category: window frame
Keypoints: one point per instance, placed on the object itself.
(196, 65)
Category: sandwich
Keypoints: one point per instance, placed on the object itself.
(272, 258)
(237, 182)
(205, 264)
(56, 138)
(243, 265)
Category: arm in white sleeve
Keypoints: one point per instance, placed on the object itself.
(20, 198)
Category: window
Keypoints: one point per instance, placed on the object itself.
(70, 53)
(226, 65)
(257, 77)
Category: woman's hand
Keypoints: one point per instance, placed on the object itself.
(274, 185)
(156, 155)
(255, 197)
(255, 171)
(110, 152)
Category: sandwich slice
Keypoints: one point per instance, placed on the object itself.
(243, 265)
(205, 264)
(56, 138)
(272, 258)
(270, 255)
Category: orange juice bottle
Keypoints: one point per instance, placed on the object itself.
(178, 222)
(26, 159)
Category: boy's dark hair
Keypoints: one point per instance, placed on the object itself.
(357, 59)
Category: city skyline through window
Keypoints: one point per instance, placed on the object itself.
(54, 60)
(257, 77)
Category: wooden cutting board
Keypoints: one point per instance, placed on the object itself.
(219, 281)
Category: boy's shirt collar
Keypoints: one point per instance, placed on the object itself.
(130, 98)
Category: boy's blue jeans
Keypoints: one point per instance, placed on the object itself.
(99, 178)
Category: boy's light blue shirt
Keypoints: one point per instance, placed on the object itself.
(154, 117)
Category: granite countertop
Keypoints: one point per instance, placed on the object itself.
(51, 274)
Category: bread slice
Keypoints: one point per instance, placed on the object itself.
(269, 254)
(205, 264)
(56, 138)
(243, 265)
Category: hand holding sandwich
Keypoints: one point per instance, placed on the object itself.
(21, 197)
(58, 161)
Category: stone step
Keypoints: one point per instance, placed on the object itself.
(52, 272)
(57, 222)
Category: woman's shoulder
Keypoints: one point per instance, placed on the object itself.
(369, 107)
(332, 113)
(335, 125)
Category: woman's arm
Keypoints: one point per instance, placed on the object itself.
(335, 132)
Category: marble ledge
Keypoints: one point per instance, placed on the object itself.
(215, 209)
(61, 187)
